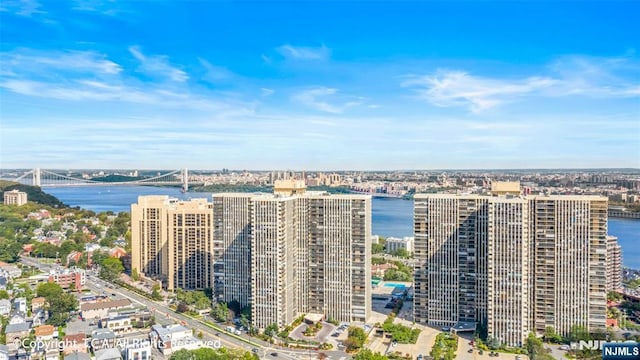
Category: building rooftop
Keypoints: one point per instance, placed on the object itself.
(15, 328)
(105, 305)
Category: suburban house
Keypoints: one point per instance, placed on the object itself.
(76, 343)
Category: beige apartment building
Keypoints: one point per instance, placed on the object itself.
(172, 240)
(15, 197)
(614, 264)
(510, 264)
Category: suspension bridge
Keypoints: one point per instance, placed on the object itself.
(49, 178)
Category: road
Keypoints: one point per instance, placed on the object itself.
(166, 315)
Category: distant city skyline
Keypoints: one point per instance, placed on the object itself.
(319, 86)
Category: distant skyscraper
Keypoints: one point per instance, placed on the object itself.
(173, 240)
(614, 264)
(511, 264)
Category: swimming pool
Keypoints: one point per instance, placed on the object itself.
(395, 285)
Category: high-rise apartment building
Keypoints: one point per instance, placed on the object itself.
(510, 264)
(172, 240)
(614, 264)
(232, 251)
(15, 197)
(306, 252)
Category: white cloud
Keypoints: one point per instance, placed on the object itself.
(25, 8)
(457, 88)
(24, 60)
(567, 76)
(267, 92)
(158, 66)
(215, 73)
(318, 98)
(304, 52)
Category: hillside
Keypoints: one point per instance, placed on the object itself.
(34, 193)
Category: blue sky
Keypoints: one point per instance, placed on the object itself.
(319, 85)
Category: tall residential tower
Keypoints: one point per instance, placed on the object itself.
(510, 264)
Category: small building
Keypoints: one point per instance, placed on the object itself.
(4, 352)
(3, 282)
(171, 338)
(9, 270)
(102, 339)
(15, 197)
(5, 307)
(45, 332)
(138, 351)
(119, 324)
(77, 356)
(20, 305)
(73, 279)
(37, 304)
(15, 332)
(76, 343)
(108, 354)
(100, 310)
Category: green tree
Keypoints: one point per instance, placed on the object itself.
(49, 290)
(271, 330)
(403, 253)
(535, 349)
(355, 339)
(220, 312)
(155, 293)
(182, 355)
(614, 296)
(111, 269)
(135, 276)
(551, 336)
(366, 354)
(9, 250)
(377, 248)
(577, 333)
(4, 294)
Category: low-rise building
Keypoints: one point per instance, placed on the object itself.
(37, 304)
(138, 351)
(73, 279)
(119, 324)
(171, 338)
(100, 310)
(102, 339)
(4, 352)
(20, 305)
(76, 343)
(45, 332)
(5, 307)
(15, 332)
(108, 354)
(15, 197)
(77, 356)
(9, 270)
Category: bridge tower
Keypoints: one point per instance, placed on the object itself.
(185, 180)
(36, 177)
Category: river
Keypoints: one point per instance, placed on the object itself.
(390, 217)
